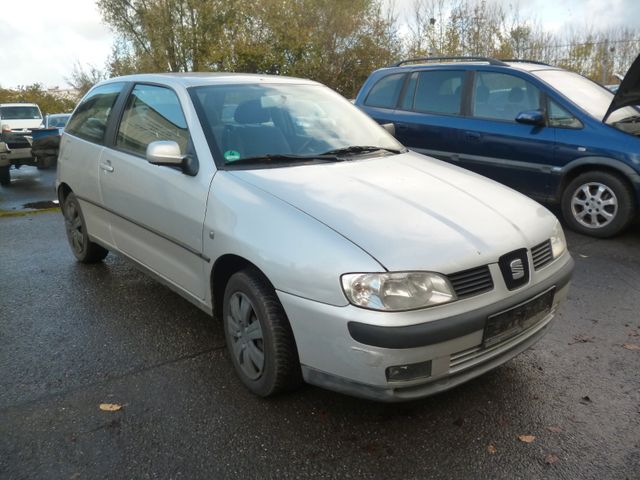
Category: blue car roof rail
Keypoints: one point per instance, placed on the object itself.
(522, 60)
(490, 61)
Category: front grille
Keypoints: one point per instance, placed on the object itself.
(542, 254)
(471, 282)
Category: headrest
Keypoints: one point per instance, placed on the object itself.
(251, 111)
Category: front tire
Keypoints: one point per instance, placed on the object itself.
(599, 204)
(84, 249)
(258, 335)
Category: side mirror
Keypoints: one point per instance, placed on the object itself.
(389, 127)
(531, 117)
(165, 152)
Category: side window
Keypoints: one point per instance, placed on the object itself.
(406, 103)
(89, 121)
(500, 96)
(559, 117)
(152, 113)
(385, 93)
(439, 91)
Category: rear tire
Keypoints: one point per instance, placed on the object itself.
(599, 204)
(84, 249)
(5, 176)
(258, 334)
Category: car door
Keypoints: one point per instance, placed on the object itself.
(427, 119)
(157, 212)
(494, 144)
(81, 149)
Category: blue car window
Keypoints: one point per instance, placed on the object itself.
(501, 96)
(559, 117)
(385, 93)
(439, 92)
(406, 103)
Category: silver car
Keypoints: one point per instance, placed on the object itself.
(330, 252)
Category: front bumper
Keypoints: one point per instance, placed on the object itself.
(348, 349)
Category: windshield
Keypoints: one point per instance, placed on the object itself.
(20, 113)
(58, 120)
(284, 122)
(588, 95)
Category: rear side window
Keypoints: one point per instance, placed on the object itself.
(500, 96)
(152, 113)
(439, 92)
(89, 121)
(385, 93)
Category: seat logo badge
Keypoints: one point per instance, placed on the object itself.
(517, 269)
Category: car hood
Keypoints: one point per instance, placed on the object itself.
(628, 92)
(411, 212)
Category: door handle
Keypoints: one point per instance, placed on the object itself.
(106, 167)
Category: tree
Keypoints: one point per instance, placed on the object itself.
(36, 93)
(332, 41)
(82, 80)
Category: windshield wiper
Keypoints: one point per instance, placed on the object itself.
(354, 149)
(283, 157)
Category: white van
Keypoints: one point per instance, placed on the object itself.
(20, 117)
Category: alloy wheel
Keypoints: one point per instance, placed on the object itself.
(73, 224)
(594, 205)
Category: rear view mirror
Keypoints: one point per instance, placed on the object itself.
(389, 127)
(164, 152)
(531, 117)
(167, 153)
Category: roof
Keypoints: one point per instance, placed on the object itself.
(516, 64)
(193, 79)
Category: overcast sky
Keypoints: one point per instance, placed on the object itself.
(40, 40)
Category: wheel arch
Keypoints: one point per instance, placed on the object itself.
(63, 191)
(602, 164)
(223, 268)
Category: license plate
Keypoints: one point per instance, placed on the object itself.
(509, 323)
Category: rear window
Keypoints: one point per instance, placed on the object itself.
(20, 113)
(439, 92)
(385, 93)
(89, 121)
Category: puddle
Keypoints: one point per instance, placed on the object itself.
(41, 205)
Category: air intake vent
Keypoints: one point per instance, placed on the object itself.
(542, 254)
(471, 282)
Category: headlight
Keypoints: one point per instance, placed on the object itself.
(558, 242)
(396, 291)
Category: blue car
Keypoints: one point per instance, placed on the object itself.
(549, 133)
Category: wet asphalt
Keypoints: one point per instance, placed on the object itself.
(75, 336)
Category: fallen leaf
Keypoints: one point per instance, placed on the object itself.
(554, 429)
(110, 407)
(586, 399)
(491, 449)
(582, 339)
(551, 459)
(631, 346)
(526, 438)
(458, 422)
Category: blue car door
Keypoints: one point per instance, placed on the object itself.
(428, 114)
(493, 144)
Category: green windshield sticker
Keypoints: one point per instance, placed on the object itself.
(231, 155)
